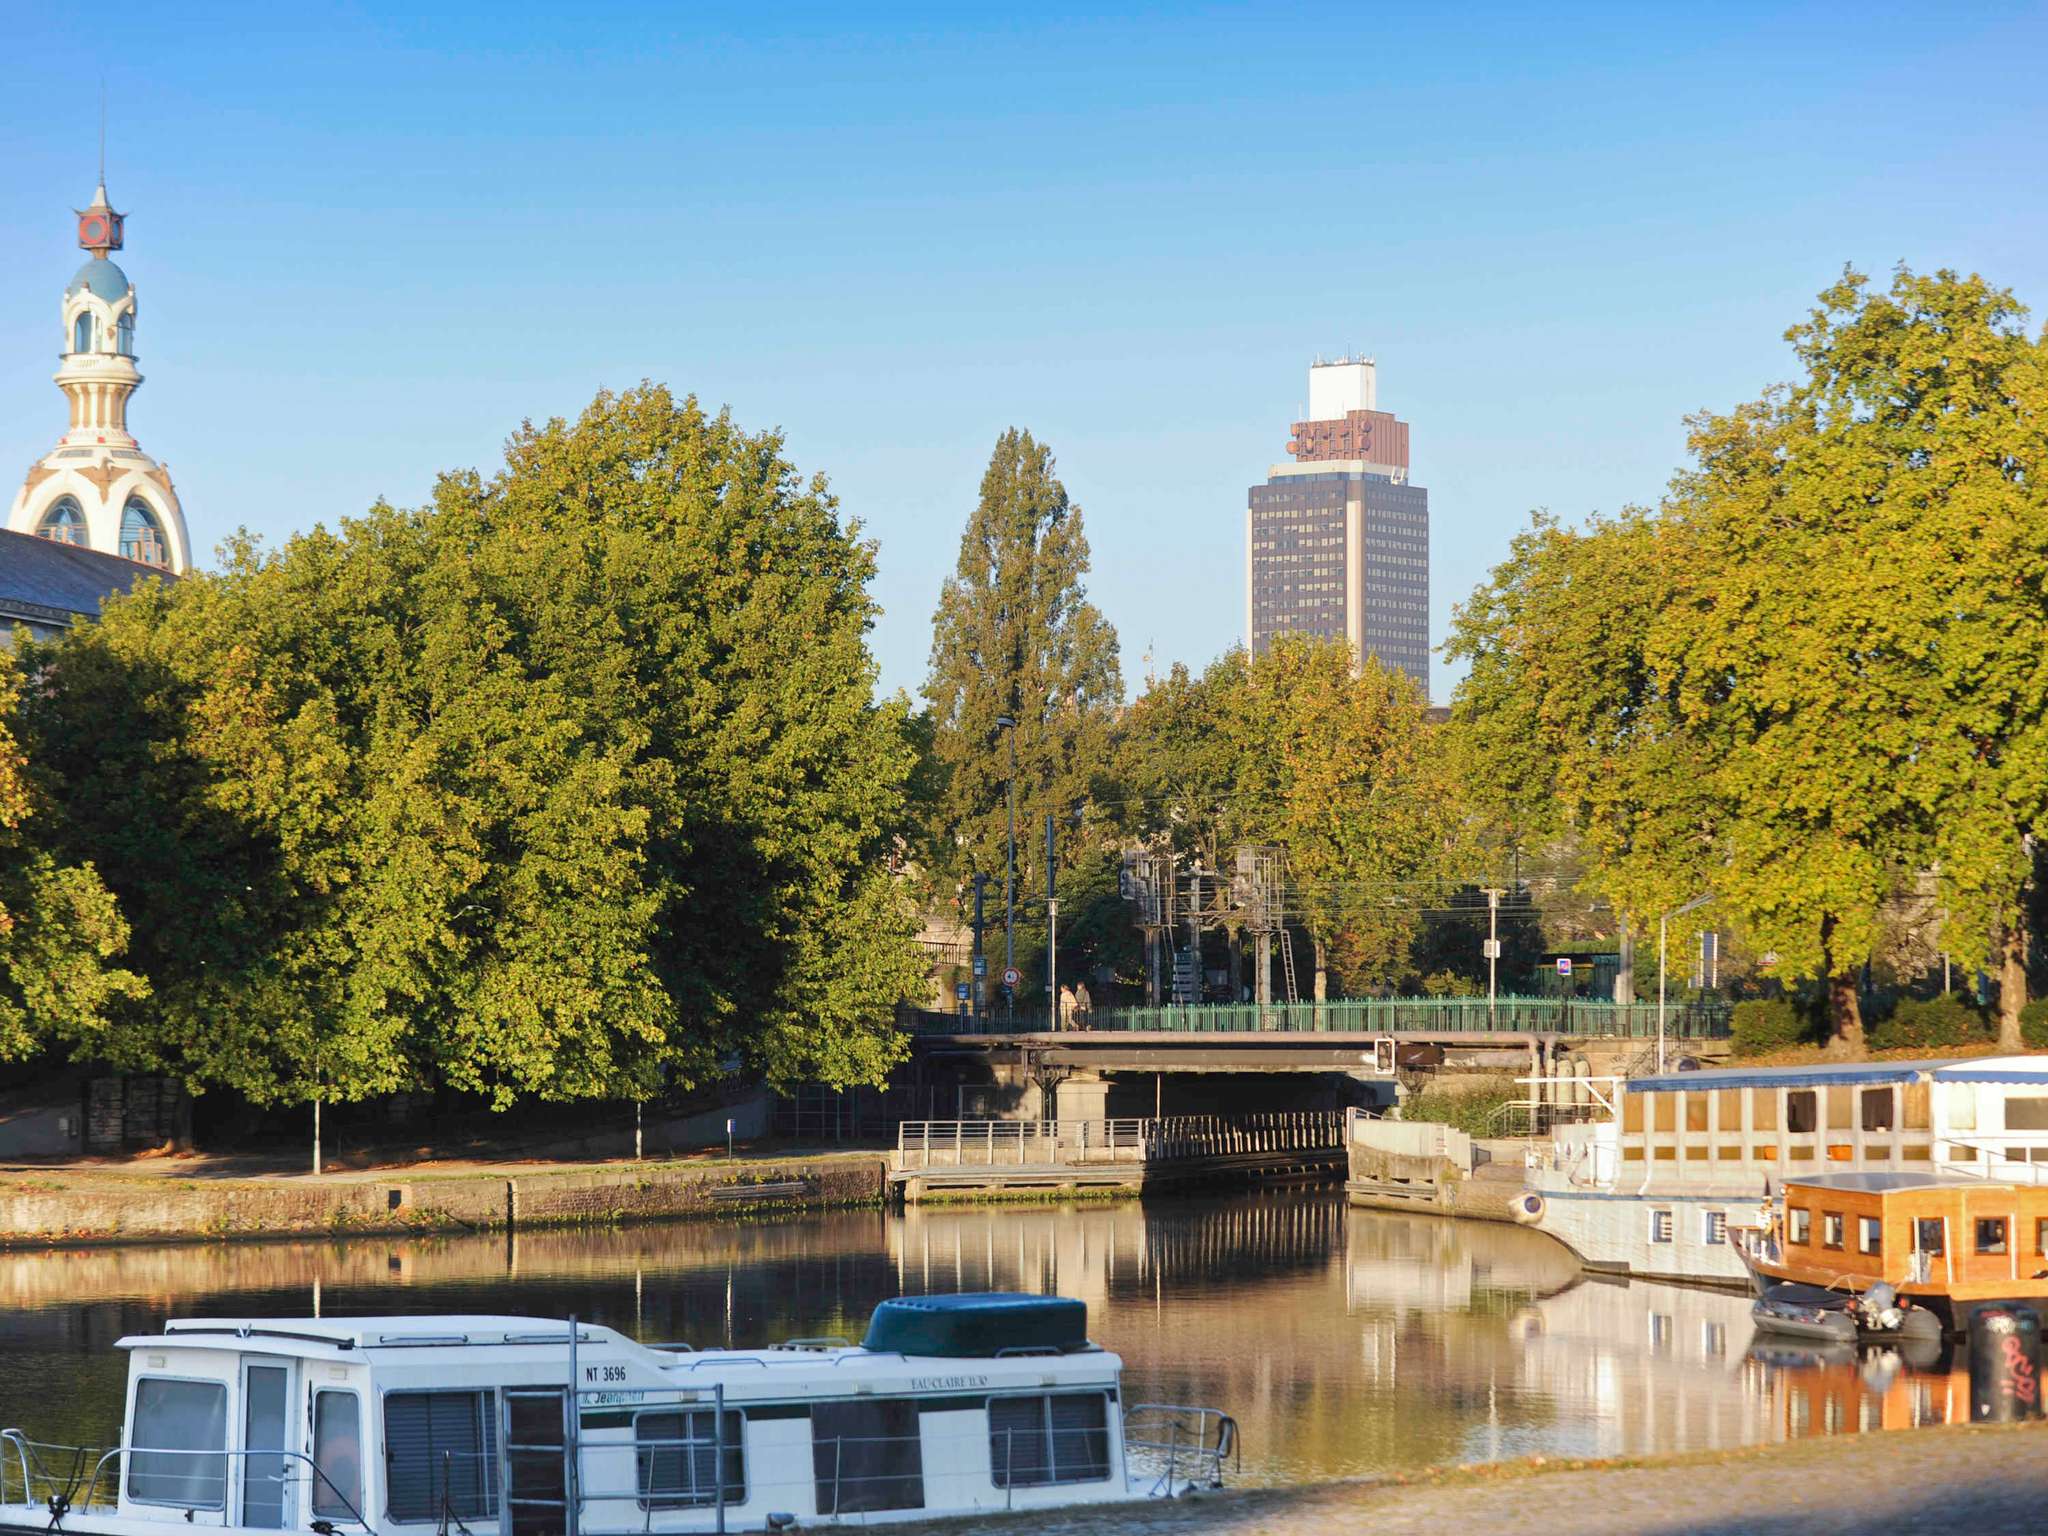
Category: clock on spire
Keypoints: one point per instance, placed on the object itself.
(99, 227)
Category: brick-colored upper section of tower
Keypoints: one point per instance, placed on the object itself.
(1377, 436)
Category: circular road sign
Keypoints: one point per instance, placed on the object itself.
(1011, 976)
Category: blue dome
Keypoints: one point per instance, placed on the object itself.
(106, 280)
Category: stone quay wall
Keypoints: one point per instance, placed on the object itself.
(64, 1206)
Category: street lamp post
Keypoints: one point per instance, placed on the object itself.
(1691, 906)
(1006, 723)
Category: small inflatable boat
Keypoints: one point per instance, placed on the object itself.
(1824, 1316)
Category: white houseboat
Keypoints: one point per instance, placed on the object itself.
(463, 1426)
(1652, 1180)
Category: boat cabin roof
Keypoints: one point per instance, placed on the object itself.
(2023, 1070)
(339, 1337)
(1889, 1182)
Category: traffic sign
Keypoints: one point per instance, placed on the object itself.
(981, 965)
(1011, 976)
(1489, 949)
(961, 991)
(1564, 965)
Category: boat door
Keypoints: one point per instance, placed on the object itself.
(266, 1435)
(537, 1479)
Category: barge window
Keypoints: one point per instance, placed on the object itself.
(1799, 1225)
(2028, 1113)
(1928, 1235)
(338, 1454)
(179, 1443)
(1869, 1234)
(441, 1455)
(677, 1451)
(1660, 1226)
(867, 1456)
(1763, 1109)
(2041, 1235)
(1877, 1110)
(1991, 1234)
(1713, 1227)
(1802, 1112)
(1036, 1441)
(1831, 1229)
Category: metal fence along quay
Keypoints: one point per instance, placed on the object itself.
(1070, 1143)
(1371, 1016)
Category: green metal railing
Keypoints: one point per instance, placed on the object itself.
(1377, 1016)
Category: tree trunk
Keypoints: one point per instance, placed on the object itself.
(2012, 980)
(1845, 1007)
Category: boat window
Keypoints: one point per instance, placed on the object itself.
(1917, 1097)
(867, 1456)
(1841, 1108)
(1763, 1109)
(678, 1454)
(176, 1425)
(1991, 1234)
(1831, 1229)
(440, 1455)
(1660, 1226)
(1928, 1235)
(1696, 1112)
(2026, 1113)
(1713, 1227)
(1632, 1112)
(1869, 1234)
(1878, 1110)
(1034, 1441)
(263, 1429)
(1802, 1111)
(338, 1454)
(1665, 1116)
(1962, 1106)
(1799, 1225)
(1728, 1109)
(2041, 1235)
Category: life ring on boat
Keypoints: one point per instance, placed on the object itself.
(1526, 1207)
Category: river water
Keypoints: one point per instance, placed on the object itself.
(1345, 1342)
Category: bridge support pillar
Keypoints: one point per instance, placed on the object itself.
(1083, 1096)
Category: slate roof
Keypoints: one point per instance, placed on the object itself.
(48, 583)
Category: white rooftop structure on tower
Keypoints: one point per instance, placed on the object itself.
(1337, 389)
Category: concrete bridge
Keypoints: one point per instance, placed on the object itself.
(1229, 1058)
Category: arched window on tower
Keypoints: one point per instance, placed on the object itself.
(63, 522)
(81, 332)
(141, 537)
(124, 332)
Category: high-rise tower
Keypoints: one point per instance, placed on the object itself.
(97, 488)
(1337, 542)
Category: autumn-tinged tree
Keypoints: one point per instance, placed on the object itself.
(1015, 636)
(60, 931)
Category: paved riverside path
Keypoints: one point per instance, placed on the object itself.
(1928, 1482)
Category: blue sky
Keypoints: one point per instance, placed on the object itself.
(368, 241)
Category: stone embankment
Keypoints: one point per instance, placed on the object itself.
(1399, 1165)
(169, 1203)
(1979, 1481)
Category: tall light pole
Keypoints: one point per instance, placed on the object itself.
(1006, 723)
(1493, 896)
(1691, 906)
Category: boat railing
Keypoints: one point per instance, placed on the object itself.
(1178, 1447)
(200, 1477)
(2013, 1153)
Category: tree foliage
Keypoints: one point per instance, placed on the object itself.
(1015, 636)
(1813, 673)
(568, 785)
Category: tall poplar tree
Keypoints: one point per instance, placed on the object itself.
(1016, 636)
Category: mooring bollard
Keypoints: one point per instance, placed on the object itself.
(2005, 1364)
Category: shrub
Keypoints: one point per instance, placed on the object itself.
(2034, 1024)
(1917, 1023)
(1475, 1111)
(1771, 1024)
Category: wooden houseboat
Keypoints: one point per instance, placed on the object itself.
(511, 1426)
(1944, 1243)
(1654, 1172)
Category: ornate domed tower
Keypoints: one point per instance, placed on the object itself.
(97, 488)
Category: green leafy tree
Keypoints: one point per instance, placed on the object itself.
(1015, 637)
(566, 786)
(60, 930)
